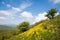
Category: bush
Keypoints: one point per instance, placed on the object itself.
(23, 26)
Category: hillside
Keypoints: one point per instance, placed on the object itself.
(47, 30)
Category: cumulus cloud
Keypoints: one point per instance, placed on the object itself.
(55, 1)
(26, 14)
(39, 17)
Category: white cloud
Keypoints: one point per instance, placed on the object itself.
(26, 14)
(2, 18)
(39, 17)
(11, 13)
(22, 6)
(15, 9)
(4, 12)
(55, 1)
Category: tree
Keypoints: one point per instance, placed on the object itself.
(23, 26)
(51, 13)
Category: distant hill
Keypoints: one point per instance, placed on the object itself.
(5, 27)
(47, 30)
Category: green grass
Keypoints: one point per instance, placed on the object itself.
(47, 30)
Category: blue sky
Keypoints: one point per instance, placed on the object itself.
(15, 11)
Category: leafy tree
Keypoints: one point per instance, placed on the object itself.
(51, 13)
(23, 26)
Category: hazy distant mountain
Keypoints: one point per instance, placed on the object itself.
(6, 27)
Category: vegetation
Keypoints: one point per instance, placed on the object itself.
(7, 32)
(51, 13)
(23, 26)
(47, 30)
(43, 30)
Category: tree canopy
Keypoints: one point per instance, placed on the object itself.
(51, 13)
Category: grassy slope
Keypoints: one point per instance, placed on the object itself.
(46, 30)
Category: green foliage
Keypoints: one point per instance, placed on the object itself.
(23, 26)
(51, 13)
